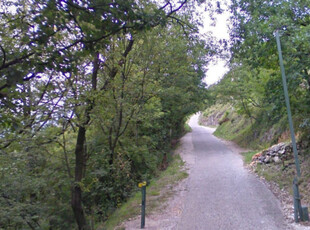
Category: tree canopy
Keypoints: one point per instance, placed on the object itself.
(92, 95)
(254, 82)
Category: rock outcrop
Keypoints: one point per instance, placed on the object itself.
(275, 154)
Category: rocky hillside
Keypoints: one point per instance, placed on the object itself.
(246, 132)
(213, 116)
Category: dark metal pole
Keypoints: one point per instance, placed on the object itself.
(143, 191)
(288, 107)
(298, 209)
(297, 202)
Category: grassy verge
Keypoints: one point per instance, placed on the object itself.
(247, 156)
(255, 133)
(187, 128)
(157, 192)
(261, 134)
(284, 173)
(278, 173)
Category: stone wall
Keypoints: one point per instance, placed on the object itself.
(275, 154)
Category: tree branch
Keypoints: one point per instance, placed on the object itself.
(4, 55)
(16, 61)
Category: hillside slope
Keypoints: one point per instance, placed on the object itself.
(246, 132)
(267, 143)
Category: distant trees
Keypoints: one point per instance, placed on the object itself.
(253, 84)
(254, 80)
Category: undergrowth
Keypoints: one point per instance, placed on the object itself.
(158, 191)
(247, 156)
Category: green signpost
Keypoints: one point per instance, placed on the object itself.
(300, 213)
(143, 190)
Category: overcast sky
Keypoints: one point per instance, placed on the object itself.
(216, 69)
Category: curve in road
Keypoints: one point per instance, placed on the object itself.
(222, 194)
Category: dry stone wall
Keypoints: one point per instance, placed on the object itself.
(275, 154)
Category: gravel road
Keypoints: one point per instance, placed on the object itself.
(222, 194)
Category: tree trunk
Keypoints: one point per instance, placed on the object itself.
(76, 196)
(80, 156)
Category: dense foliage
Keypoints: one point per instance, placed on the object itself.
(254, 84)
(92, 93)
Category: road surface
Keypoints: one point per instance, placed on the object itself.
(222, 194)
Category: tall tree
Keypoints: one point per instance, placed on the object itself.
(253, 44)
(67, 65)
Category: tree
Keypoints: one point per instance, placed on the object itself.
(89, 71)
(253, 45)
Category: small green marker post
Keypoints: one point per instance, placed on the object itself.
(143, 190)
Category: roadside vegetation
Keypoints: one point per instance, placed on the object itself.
(93, 96)
(158, 190)
(239, 129)
(248, 103)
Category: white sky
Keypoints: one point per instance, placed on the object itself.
(217, 68)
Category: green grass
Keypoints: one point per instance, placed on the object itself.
(244, 131)
(283, 176)
(275, 173)
(247, 156)
(217, 111)
(261, 134)
(187, 128)
(157, 192)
